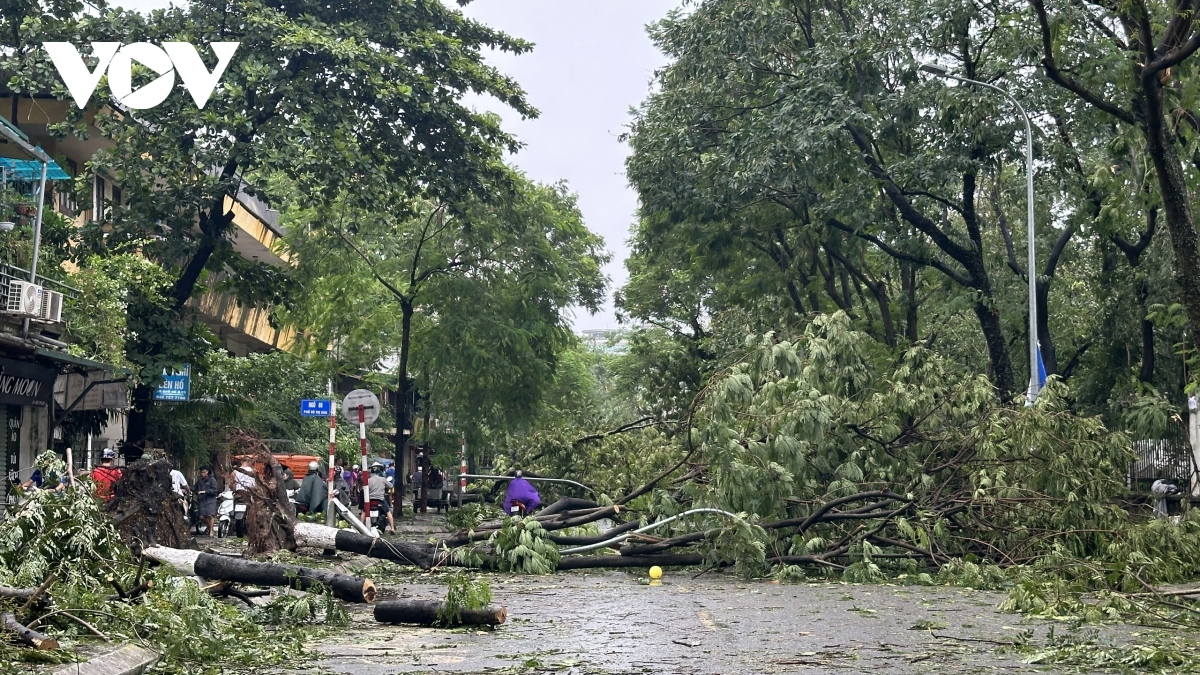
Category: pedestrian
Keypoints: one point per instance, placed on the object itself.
(314, 492)
(206, 499)
(355, 481)
(289, 481)
(105, 475)
(179, 486)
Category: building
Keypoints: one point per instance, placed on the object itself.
(240, 329)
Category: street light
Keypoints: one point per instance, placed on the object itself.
(1034, 383)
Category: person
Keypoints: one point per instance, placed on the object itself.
(355, 482)
(289, 480)
(521, 494)
(435, 488)
(244, 478)
(341, 489)
(179, 486)
(105, 475)
(377, 486)
(1159, 490)
(449, 486)
(206, 499)
(314, 491)
(35, 480)
(390, 474)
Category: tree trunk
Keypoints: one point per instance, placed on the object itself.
(1045, 341)
(1146, 372)
(224, 568)
(138, 425)
(993, 334)
(590, 561)
(1173, 189)
(26, 635)
(424, 556)
(425, 613)
(402, 421)
(21, 594)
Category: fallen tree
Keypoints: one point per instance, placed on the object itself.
(146, 510)
(312, 535)
(226, 568)
(26, 635)
(432, 612)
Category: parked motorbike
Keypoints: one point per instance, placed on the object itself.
(231, 515)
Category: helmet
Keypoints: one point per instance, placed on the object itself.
(520, 473)
(312, 466)
(376, 466)
(356, 467)
(108, 453)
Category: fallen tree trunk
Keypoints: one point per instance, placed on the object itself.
(224, 568)
(567, 504)
(426, 613)
(313, 535)
(594, 538)
(22, 594)
(590, 561)
(28, 636)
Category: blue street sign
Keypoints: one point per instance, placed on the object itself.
(176, 386)
(316, 408)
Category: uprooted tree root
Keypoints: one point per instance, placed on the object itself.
(145, 509)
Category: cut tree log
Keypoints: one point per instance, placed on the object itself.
(225, 568)
(28, 636)
(567, 504)
(590, 561)
(425, 613)
(424, 556)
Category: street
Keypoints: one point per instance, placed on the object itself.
(614, 622)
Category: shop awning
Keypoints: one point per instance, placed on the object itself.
(31, 170)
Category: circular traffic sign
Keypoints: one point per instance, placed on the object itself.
(360, 397)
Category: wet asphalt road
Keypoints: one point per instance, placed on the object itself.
(613, 622)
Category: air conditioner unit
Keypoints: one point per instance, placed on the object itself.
(23, 298)
(51, 309)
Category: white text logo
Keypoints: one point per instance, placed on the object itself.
(118, 61)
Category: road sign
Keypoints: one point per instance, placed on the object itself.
(363, 397)
(316, 407)
(176, 386)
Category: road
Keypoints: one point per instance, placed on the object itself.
(615, 622)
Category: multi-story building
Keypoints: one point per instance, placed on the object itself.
(34, 348)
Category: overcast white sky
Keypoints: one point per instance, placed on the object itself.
(592, 62)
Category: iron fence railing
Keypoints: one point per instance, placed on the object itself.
(13, 273)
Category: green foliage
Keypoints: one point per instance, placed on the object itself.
(315, 606)
(66, 534)
(522, 545)
(100, 315)
(463, 593)
(471, 516)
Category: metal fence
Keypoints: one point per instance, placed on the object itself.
(1170, 457)
(13, 273)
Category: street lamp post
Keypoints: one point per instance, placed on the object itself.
(1034, 384)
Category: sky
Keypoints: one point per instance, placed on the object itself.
(592, 62)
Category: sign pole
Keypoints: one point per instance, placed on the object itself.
(329, 517)
(462, 474)
(366, 473)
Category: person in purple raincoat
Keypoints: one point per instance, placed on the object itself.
(520, 491)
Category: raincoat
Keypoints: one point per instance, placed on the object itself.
(521, 490)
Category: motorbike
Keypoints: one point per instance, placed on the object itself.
(375, 514)
(231, 515)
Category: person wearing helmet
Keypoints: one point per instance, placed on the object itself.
(105, 475)
(521, 498)
(314, 491)
(377, 485)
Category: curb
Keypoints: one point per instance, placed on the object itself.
(125, 660)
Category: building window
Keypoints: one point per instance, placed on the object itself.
(116, 196)
(98, 200)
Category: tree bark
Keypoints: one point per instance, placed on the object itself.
(26, 635)
(591, 561)
(137, 428)
(402, 420)
(224, 568)
(425, 613)
(424, 556)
